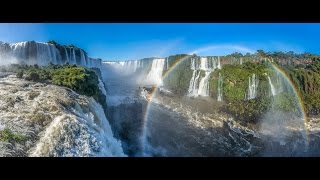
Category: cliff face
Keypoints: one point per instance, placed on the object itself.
(31, 52)
(38, 119)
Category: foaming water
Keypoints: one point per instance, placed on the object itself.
(253, 86)
(273, 91)
(31, 52)
(154, 77)
(84, 133)
(199, 84)
(173, 128)
(53, 121)
(176, 129)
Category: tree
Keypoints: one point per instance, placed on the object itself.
(237, 55)
(20, 74)
(261, 53)
(33, 76)
(52, 42)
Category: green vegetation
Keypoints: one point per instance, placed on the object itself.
(20, 74)
(82, 80)
(235, 89)
(8, 136)
(236, 80)
(248, 111)
(178, 80)
(307, 82)
(302, 69)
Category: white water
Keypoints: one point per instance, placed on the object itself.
(219, 65)
(67, 57)
(273, 90)
(167, 63)
(124, 68)
(220, 81)
(280, 84)
(85, 133)
(56, 122)
(204, 85)
(31, 52)
(154, 77)
(184, 131)
(199, 86)
(253, 86)
(102, 88)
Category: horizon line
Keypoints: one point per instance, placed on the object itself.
(154, 57)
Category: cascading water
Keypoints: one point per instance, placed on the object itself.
(273, 90)
(58, 122)
(220, 81)
(82, 58)
(204, 85)
(74, 56)
(281, 85)
(253, 86)
(67, 59)
(31, 52)
(219, 64)
(86, 133)
(124, 68)
(154, 77)
(200, 85)
(167, 63)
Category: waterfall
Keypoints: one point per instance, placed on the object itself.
(82, 59)
(191, 85)
(220, 81)
(280, 83)
(219, 65)
(253, 86)
(240, 61)
(31, 52)
(204, 85)
(124, 68)
(74, 56)
(200, 85)
(71, 57)
(194, 83)
(155, 74)
(67, 57)
(273, 91)
(85, 132)
(167, 62)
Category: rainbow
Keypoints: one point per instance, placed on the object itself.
(273, 65)
(294, 88)
(298, 97)
(164, 75)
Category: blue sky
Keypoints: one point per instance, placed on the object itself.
(125, 41)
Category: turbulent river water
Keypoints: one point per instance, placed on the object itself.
(167, 125)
